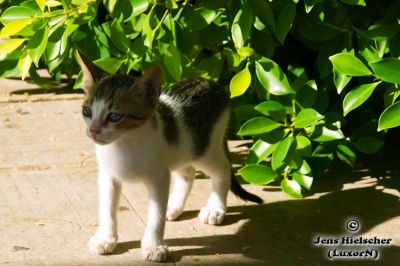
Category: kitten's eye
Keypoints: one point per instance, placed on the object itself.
(86, 111)
(114, 117)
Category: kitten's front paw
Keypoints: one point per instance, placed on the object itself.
(173, 213)
(102, 246)
(208, 215)
(157, 254)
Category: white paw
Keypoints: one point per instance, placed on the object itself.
(157, 254)
(173, 213)
(102, 246)
(211, 216)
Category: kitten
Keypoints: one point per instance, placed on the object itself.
(144, 135)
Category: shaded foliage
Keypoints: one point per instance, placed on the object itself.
(311, 81)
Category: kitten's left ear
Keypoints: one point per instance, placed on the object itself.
(149, 85)
(91, 73)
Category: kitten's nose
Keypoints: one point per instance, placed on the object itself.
(94, 132)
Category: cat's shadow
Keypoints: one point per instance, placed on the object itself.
(281, 233)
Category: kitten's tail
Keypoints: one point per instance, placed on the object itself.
(237, 189)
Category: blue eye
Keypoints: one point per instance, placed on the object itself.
(86, 111)
(114, 117)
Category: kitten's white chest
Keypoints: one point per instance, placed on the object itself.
(128, 160)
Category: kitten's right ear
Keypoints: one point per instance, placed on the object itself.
(91, 73)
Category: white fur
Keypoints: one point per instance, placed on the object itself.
(143, 155)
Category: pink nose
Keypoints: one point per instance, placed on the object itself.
(94, 132)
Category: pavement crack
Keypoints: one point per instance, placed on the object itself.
(134, 209)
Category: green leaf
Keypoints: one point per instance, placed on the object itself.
(257, 174)
(111, 5)
(303, 146)
(276, 135)
(305, 168)
(139, 7)
(387, 69)
(307, 117)
(14, 27)
(232, 58)
(147, 31)
(258, 125)
(369, 145)
(41, 4)
(309, 4)
(241, 25)
(368, 50)
(304, 175)
(200, 18)
(14, 13)
(79, 81)
(259, 151)
(66, 3)
(390, 117)
(299, 76)
(37, 45)
(118, 36)
(380, 31)
(57, 21)
(307, 94)
(110, 65)
(240, 82)
(294, 159)
(354, 2)
(272, 77)
(264, 16)
(171, 4)
(324, 134)
(70, 27)
(291, 187)
(56, 47)
(304, 180)
(172, 61)
(9, 65)
(10, 45)
(285, 20)
(358, 96)
(349, 64)
(273, 109)
(282, 153)
(245, 51)
(340, 80)
(24, 64)
(52, 3)
(390, 96)
(346, 154)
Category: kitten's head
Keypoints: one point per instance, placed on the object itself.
(116, 104)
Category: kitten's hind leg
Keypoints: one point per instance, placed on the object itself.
(217, 167)
(183, 181)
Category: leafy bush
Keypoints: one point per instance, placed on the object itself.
(310, 80)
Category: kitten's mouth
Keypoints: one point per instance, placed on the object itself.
(99, 141)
